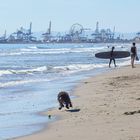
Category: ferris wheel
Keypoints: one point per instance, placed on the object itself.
(76, 29)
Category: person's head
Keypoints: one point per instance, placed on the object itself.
(133, 43)
(113, 48)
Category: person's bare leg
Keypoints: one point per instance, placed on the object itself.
(114, 63)
(110, 62)
(132, 62)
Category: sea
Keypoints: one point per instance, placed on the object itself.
(31, 76)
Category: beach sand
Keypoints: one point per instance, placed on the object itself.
(109, 110)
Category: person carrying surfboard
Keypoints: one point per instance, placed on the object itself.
(133, 54)
(112, 57)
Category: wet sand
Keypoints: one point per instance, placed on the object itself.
(107, 107)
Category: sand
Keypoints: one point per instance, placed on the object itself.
(109, 110)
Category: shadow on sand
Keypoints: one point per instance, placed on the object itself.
(73, 110)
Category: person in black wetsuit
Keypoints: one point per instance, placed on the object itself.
(133, 54)
(112, 57)
(64, 100)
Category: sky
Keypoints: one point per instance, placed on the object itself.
(123, 14)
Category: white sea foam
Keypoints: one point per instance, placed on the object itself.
(60, 69)
(77, 67)
(29, 71)
(34, 50)
(20, 82)
(4, 72)
(24, 71)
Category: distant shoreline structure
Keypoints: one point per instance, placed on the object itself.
(1, 43)
(76, 34)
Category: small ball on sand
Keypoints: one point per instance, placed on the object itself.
(49, 116)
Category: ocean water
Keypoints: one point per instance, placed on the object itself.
(32, 75)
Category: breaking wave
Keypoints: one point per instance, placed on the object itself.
(50, 69)
(34, 50)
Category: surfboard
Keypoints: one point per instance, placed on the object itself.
(116, 54)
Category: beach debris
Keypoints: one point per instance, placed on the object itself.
(131, 112)
(49, 116)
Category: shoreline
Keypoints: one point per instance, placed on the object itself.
(58, 116)
(101, 110)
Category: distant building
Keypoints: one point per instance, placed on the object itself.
(103, 35)
(137, 38)
(76, 34)
(22, 35)
(47, 35)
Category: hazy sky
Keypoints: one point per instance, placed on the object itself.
(123, 14)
